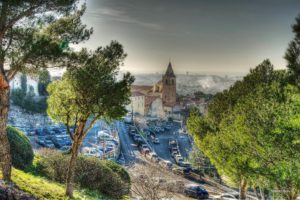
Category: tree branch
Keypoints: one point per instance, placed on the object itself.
(23, 14)
(10, 74)
(90, 126)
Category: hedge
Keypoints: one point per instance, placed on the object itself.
(20, 148)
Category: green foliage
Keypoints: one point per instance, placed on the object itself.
(201, 162)
(24, 83)
(225, 101)
(91, 173)
(44, 80)
(17, 96)
(200, 94)
(293, 53)
(254, 135)
(27, 101)
(21, 150)
(48, 190)
(118, 169)
(37, 41)
(91, 90)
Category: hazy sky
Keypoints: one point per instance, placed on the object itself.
(204, 36)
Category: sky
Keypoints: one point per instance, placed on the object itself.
(223, 37)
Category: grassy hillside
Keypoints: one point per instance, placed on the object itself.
(46, 190)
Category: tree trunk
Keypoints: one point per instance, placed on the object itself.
(292, 195)
(262, 193)
(243, 189)
(72, 165)
(5, 157)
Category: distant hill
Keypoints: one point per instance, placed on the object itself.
(187, 84)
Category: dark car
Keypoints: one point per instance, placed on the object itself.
(39, 132)
(195, 191)
(132, 132)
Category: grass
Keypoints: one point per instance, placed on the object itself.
(49, 190)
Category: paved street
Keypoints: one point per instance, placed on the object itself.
(162, 149)
(128, 147)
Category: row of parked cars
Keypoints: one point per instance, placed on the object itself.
(159, 127)
(52, 137)
(137, 138)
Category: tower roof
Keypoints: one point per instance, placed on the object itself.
(170, 71)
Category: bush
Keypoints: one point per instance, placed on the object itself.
(91, 173)
(20, 147)
(118, 169)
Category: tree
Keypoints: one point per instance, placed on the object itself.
(292, 54)
(31, 37)
(44, 80)
(200, 162)
(254, 140)
(87, 93)
(24, 84)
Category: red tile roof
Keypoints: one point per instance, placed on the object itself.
(136, 94)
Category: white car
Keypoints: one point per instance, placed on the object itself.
(228, 196)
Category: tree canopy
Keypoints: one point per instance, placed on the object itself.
(88, 92)
(254, 136)
(34, 34)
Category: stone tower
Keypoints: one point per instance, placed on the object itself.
(169, 87)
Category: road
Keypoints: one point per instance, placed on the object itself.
(128, 147)
(162, 149)
(132, 157)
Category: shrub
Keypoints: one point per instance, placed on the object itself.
(91, 173)
(20, 147)
(118, 169)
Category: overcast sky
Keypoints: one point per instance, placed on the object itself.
(204, 36)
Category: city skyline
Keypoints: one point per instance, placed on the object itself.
(198, 36)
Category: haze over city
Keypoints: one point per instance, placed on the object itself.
(206, 37)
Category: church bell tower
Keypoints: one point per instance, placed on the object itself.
(169, 87)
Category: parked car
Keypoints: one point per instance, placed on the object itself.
(166, 164)
(49, 144)
(61, 140)
(228, 196)
(152, 156)
(196, 191)
(41, 140)
(65, 149)
(186, 165)
(156, 141)
(157, 129)
(39, 132)
(137, 137)
(172, 144)
(178, 159)
(132, 132)
(174, 152)
(31, 133)
(168, 127)
(145, 149)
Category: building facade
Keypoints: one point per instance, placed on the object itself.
(158, 100)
